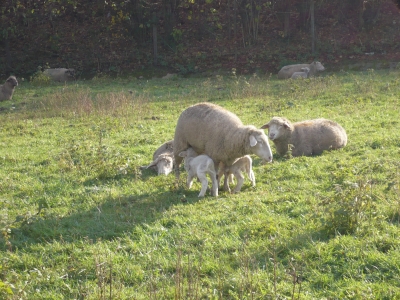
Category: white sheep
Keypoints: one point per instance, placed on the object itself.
(287, 71)
(303, 74)
(7, 89)
(163, 159)
(163, 164)
(218, 133)
(60, 75)
(309, 137)
(242, 164)
(199, 166)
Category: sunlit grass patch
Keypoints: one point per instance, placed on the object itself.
(80, 218)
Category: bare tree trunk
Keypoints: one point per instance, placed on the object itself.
(286, 23)
(235, 10)
(155, 44)
(8, 56)
(312, 8)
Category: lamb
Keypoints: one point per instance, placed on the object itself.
(60, 75)
(242, 164)
(287, 71)
(163, 159)
(310, 137)
(218, 133)
(7, 89)
(199, 166)
(303, 74)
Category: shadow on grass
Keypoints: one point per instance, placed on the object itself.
(112, 218)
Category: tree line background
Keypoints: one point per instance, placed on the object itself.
(193, 35)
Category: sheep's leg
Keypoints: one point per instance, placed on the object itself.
(240, 180)
(204, 184)
(219, 177)
(178, 161)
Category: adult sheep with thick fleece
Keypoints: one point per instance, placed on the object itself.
(200, 166)
(163, 159)
(287, 71)
(242, 164)
(7, 89)
(60, 74)
(218, 133)
(303, 74)
(310, 137)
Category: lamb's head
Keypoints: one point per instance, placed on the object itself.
(70, 73)
(164, 164)
(259, 145)
(305, 70)
(318, 66)
(12, 81)
(187, 155)
(278, 128)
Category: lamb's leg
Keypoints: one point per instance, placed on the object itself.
(240, 180)
(252, 178)
(189, 181)
(214, 184)
(204, 184)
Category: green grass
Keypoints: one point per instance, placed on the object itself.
(79, 219)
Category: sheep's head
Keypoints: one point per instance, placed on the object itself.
(277, 127)
(164, 164)
(12, 81)
(318, 66)
(259, 145)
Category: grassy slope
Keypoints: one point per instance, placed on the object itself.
(78, 216)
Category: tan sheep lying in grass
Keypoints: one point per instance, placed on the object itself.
(308, 138)
(287, 71)
(7, 89)
(60, 75)
(199, 166)
(163, 159)
(218, 133)
(242, 164)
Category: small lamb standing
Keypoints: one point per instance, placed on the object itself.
(60, 75)
(310, 137)
(287, 71)
(242, 164)
(199, 166)
(303, 74)
(163, 159)
(218, 133)
(7, 89)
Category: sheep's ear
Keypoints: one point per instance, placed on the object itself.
(265, 126)
(182, 154)
(152, 164)
(253, 141)
(286, 125)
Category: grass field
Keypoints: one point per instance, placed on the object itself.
(79, 219)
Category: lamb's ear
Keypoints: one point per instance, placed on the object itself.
(265, 126)
(253, 141)
(182, 154)
(286, 125)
